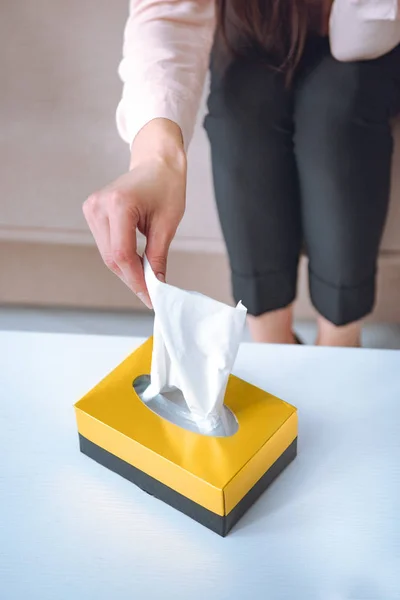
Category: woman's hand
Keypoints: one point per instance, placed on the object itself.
(150, 198)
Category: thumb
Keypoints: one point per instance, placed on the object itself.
(157, 246)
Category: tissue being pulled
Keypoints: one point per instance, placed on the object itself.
(195, 343)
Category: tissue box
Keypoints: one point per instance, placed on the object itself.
(214, 480)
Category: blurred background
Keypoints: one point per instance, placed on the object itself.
(59, 143)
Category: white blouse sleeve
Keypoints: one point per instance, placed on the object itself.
(363, 29)
(166, 52)
(377, 10)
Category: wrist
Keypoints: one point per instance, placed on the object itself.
(159, 139)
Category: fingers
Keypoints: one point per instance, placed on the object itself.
(123, 224)
(115, 235)
(100, 229)
(158, 243)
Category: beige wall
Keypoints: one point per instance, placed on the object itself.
(62, 275)
(59, 143)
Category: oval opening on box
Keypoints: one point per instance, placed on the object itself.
(172, 407)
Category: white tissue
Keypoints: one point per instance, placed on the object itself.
(195, 343)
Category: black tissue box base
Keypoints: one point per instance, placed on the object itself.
(219, 524)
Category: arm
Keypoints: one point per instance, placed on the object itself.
(166, 53)
(165, 59)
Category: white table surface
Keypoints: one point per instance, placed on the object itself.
(327, 529)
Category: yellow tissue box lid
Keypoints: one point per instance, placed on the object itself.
(216, 473)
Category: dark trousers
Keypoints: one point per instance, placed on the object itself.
(303, 167)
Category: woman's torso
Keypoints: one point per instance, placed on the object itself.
(167, 46)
